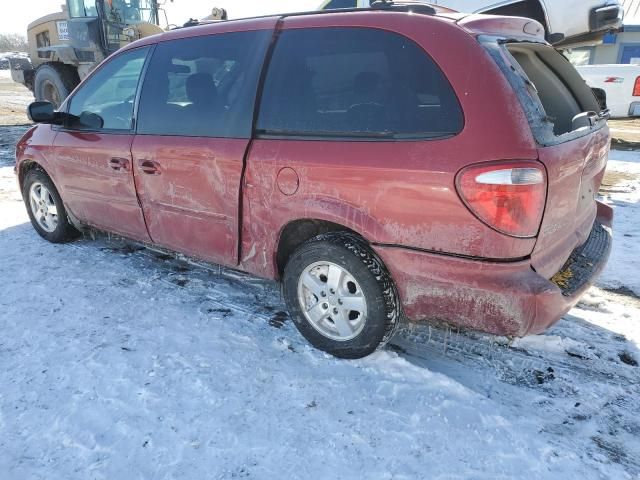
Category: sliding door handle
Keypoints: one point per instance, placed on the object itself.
(150, 167)
(119, 163)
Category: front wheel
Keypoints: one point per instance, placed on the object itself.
(340, 295)
(46, 210)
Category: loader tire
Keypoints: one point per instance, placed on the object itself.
(53, 82)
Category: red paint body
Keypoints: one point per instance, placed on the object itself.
(399, 196)
(96, 191)
(191, 204)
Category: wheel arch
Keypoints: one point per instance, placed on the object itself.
(26, 166)
(296, 232)
(29, 164)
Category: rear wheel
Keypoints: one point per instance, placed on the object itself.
(340, 295)
(46, 210)
(54, 82)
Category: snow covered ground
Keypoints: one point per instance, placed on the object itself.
(122, 363)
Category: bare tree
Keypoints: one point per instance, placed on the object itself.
(13, 42)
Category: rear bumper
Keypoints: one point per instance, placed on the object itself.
(498, 298)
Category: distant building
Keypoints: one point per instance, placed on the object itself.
(621, 47)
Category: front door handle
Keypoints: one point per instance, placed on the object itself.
(119, 163)
(150, 167)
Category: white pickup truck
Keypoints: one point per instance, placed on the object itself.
(566, 22)
(621, 84)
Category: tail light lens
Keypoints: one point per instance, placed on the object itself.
(636, 88)
(508, 196)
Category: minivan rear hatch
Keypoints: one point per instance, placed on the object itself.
(573, 142)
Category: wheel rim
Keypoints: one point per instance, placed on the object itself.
(43, 207)
(332, 301)
(50, 93)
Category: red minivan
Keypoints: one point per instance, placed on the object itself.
(385, 163)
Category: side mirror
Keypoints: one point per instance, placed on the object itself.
(43, 112)
(90, 121)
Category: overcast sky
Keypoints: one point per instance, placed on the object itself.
(15, 19)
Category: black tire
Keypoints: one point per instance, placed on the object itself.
(353, 254)
(64, 231)
(57, 78)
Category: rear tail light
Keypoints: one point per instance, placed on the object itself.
(636, 88)
(507, 196)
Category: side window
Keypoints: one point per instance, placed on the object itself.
(203, 86)
(358, 82)
(109, 93)
(333, 4)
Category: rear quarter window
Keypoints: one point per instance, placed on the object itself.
(355, 82)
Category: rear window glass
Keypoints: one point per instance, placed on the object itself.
(556, 84)
(358, 82)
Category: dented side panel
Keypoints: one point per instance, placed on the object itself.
(500, 298)
(191, 202)
(390, 193)
(491, 297)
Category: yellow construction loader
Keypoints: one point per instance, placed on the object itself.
(65, 46)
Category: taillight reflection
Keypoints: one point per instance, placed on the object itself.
(636, 88)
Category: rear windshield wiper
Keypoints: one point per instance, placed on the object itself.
(585, 119)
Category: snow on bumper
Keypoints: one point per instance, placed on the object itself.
(495, 297)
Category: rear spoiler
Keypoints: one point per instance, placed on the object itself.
(510, 27)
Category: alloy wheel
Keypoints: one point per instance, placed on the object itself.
(43, 207)
(332, 301)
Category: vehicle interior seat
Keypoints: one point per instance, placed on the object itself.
(368, 106)
(201, 92)
(157, 111)
(202, 113)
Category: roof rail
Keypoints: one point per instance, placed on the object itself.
(408, 6)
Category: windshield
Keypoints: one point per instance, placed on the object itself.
(130, 11)
(82, 8)
(117, 11)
